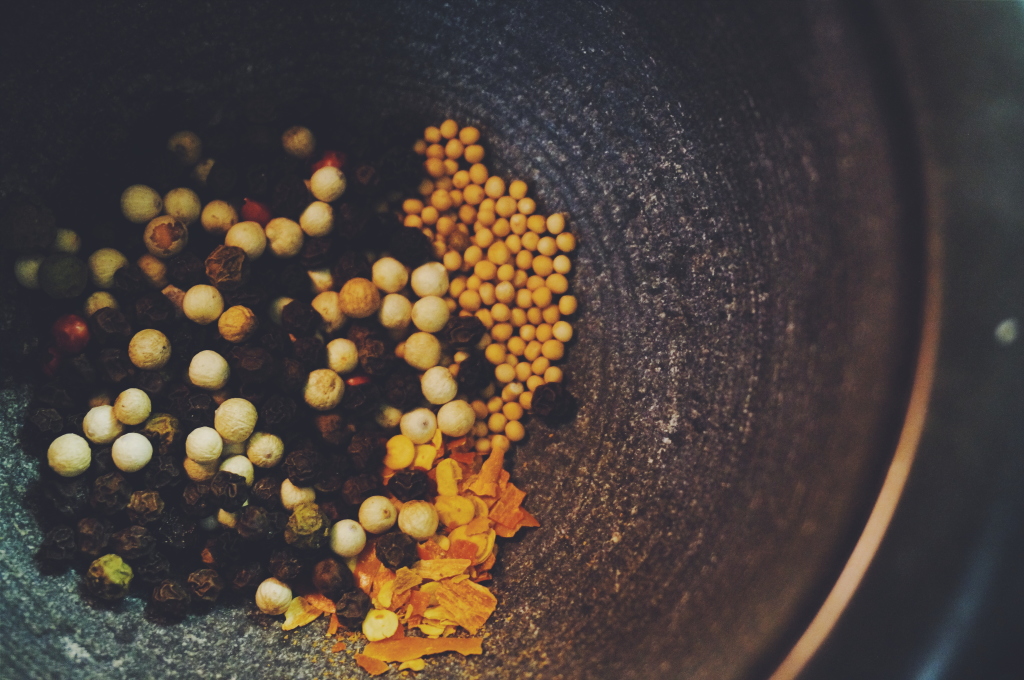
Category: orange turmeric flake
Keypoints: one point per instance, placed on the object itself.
(367, 566)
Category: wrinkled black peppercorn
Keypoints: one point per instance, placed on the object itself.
(410, 247)
(199, 410)
(253, 523)
(278, 413)
(152, 568)
(47, 420)
(251, 364)
(227, 267)
(57, 549)
(293, 281)
(333, 429)
(462, 331)
(162, 472)
(229, 490)
(115, 367)
(69, 497)
(299, 318)
(286, 565)
(266, 491)
(110, 327)
(293, 376)
(553, 403)
(92, 536)
(360, 399)
(130, 281)
(350, 265)
(396, 550)
(357, 489)
(152, 383)
(55, 396)
(409, 485)
(102, 461)
(310, 352)
(145, 507)
(290, 198)
(303, 467)
(273, 339)
(110, 493)
(133, 542)
(247, 576)
(224, 550)
(334, 471)
(317, 252)
(475, 372)
(186, 270)
(366, 451)
(154, 310)
(402, 388)
(176, 532)
(164, 432)
(332, 578)
(205, 584)
(197, 500)
(170, 600)
(352, 607)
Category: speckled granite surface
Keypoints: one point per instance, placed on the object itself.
(743, 323)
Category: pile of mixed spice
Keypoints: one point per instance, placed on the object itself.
(300, 385)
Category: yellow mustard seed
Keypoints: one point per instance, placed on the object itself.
(518, 317)
(470, 300)
(456, 196)
(501, 228)
(515, 431)
(453, 149)
(441, 200)
(457, 285)
(553, 375)
(511, 360)
(494, 187)
(557, 283)
(434, 167)
(486, 270)
(551, 314)
(543, 266)
(469, 135)
(445, 226)
(566, 242)
(532, 383)
(435, 151)
(553, 349)
(506, 273)
(528, 332)
(497, 422)
(467, 213)
(485, 217)
(535, 316)
(504, 206)
(432, 135)
(517, 223)
(450, 168)
(526, 206)
(544, 333)
(480, 409)
(482, 446)
(512, 410)
(484, 238)
(494, 405)
(504, 373)
(517, 189)
(555, 223)
(429, 216)
(420, 147)
(452, 305)
(473, 283)
(444, 183)
(533, 350)
(526, 398)
(425, 188)
(495, 353)
(541, 298)
(501, 332)
(535, 223)
(472, 255)
(524, 260)
(448, 128)
(516, 346)
(474, 153)
(500, 311)
(523, 371)
(534, 282)
(562, 331)
(473, 194)
(452, 261)
(497, 254)
(539, 365)
(480, 429)
(524, 299)
(530, 241)
(511, 392)
(412, 206)
(460, 180)
(478, 173)
(413, 221)
(567, 305)
(562, 264)
(485, 318)
(547, 246)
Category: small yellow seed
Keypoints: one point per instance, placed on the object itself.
(504, 373)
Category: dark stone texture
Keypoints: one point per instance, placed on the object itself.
(747, 306)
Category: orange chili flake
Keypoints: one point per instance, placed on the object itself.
(435, 570)
(371, 665)
(414, 648)
(332, 627)
(420, 601)
(430, 550)
(321, 602)
(486, 483)
(462, 550)
(469, 604)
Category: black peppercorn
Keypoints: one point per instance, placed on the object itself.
(352, 607)
(227, 267)
(299, 318)
(278, 413)
(266, 491)
(303, 467)
(335, 471)
(396, 550)
(170, 600)
(152, 568)
(82, 371)
(186, 270)
(293, 376)
(154, 310)
(199, 410)
(317, 252)
(205, 584)
(102, 461)
(254, 393)
(164, 432)
(290, 198)
(223, 550)
(47, 420)
(410, 247)
(252, 295)
(462, 331)
(286, 565)
(293, 281)
(402, 388)
(247, 576)
(110, 327)
(333, 429)
(273, 339)
(162, 472)
(55, 396)
(92, 536)
(68, 497)
(553, 403)
(409, 485)
(350, 265)
(132, 543)
(110, 493)
(475, 372)
(114, 366)
(332, 578)
(130, 281)
(357, 489)
(366, 451)
(176, 532)
(152, 383)
(145, 507)
(254, 523)
(360, 399)
(229, 490)
(375, 357)
(197, 500)
(251, 364)
(223, 179)
(189, 339)
(310, 352)
(57, 549)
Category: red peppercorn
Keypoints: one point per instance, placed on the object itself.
(254, 211)
(70, 334)
(334, 159)
(357, 380)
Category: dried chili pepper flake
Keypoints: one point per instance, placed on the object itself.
(339, 646)
(435, 570)
(357, 380)
(406, 579)
(371, 665)
(323, 603)
(419, 601)
(430, 550)
(462, 550)
(411, 648)
(469, 604)
(300, 613)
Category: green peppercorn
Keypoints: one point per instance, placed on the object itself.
(307, 527)
(109, 578)
(63, 276)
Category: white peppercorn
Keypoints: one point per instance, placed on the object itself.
(165, 237)
(328, 307)
(377, 514)
(395, 312)
(284, 236)
(317, 219)
(430, 314)
(327, 184)
(203, 304)
(69, 455)
(265, 450)
(26, 271)
(132, 406)
(140, 204)
(324, 389)
(249, 236)
(131, 452)
(235, 419)
(359, 298)
(183, 204)
(456, 418)
(298, 141)
(241, 466)
(390, 275)
(218, 217)
(422, 351)
(273, 597)
(430, 279)
(227, 519)
(199, 472)
(153, 269)
(388, 416)
(342, 356)
(149, 349)
(102, 265)
(204, 445)
(419, 425)
(418, 519)
(101, 299)
(348, 538)
(438, 385)
(100, 426)
(380, 624)
(321, 280)
(293, 496)
(237, 324)
(208, 370)
(277, 305)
